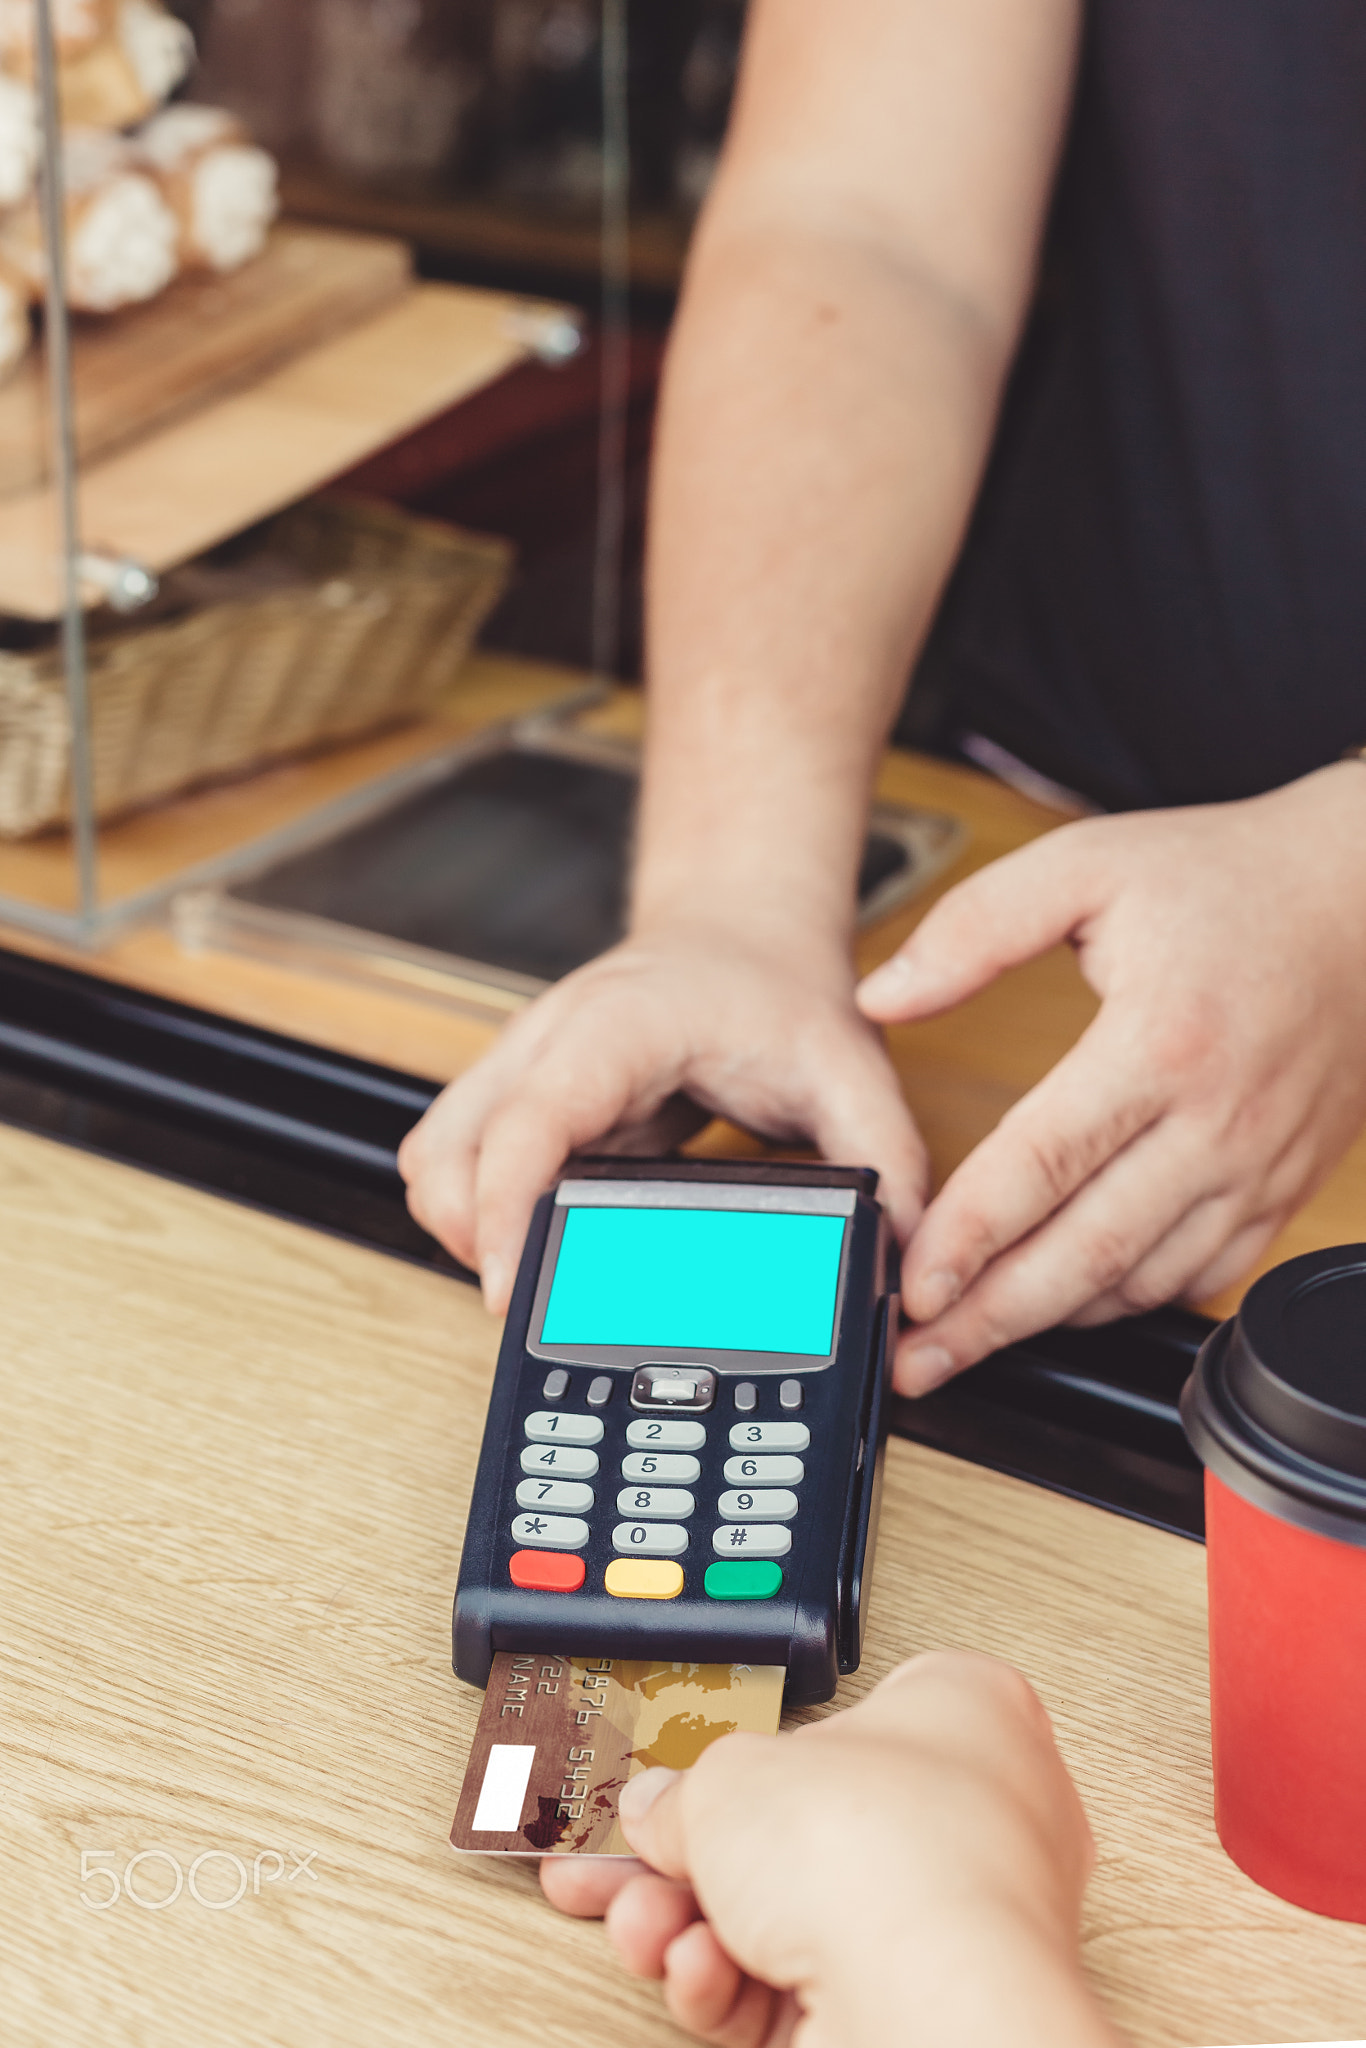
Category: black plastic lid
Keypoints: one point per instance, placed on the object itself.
(1276, 1405)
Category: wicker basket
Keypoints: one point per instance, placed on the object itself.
(339, 618)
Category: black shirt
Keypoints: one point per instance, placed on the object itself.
(1162, 597)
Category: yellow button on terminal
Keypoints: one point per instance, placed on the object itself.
(644, 1578)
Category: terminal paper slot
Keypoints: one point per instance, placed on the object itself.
(485, 885)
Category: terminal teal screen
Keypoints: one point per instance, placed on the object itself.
(696, 1280)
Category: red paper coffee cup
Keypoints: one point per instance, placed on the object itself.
(1276, 1410)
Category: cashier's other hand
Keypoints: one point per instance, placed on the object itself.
(747, 1021)
(914, 1866)
(1221, 1080)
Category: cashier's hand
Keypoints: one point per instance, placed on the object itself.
(915, 1864)
(756, 1025)
(1223, 1077)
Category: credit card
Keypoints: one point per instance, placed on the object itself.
(558, 1737)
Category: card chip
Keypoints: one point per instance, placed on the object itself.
(506, 1774)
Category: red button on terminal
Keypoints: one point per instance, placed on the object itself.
(546, 1571)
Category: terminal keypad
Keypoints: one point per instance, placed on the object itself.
(656, 1496)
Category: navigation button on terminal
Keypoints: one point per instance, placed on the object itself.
(691, 1388)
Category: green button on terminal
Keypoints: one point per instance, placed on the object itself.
(743, 1579)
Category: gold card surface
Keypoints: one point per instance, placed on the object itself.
(558, 1737)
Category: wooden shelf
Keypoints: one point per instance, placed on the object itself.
(207, 476)
(134, 371)
(492, 231)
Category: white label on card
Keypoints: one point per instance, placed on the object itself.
(506, 1773)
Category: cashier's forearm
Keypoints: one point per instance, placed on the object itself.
(825, 416)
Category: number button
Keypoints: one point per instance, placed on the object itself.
(559, 1461)
(547, 1427)
(563, 1495)
(659, 1503)
(661, 1466)
(764, 1504)
(769, 1436)
(672, 1435)
(752, 1539)
(764, 1471)
(550, 1532)
(651, 1539)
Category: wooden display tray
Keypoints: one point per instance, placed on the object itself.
(135, 371)
(191, 484)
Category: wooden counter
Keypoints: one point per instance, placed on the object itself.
(235, 1458)
(234, 1462)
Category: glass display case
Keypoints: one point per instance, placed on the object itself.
(187, 599)
(333, 331)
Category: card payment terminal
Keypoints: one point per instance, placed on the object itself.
(683, 1450)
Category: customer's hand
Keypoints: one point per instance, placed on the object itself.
(912, 1868)
(1222, 1079)
(758, 1026)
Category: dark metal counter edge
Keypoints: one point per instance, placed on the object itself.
(311, 1135)
(1091, 1413)
(266, 1120)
